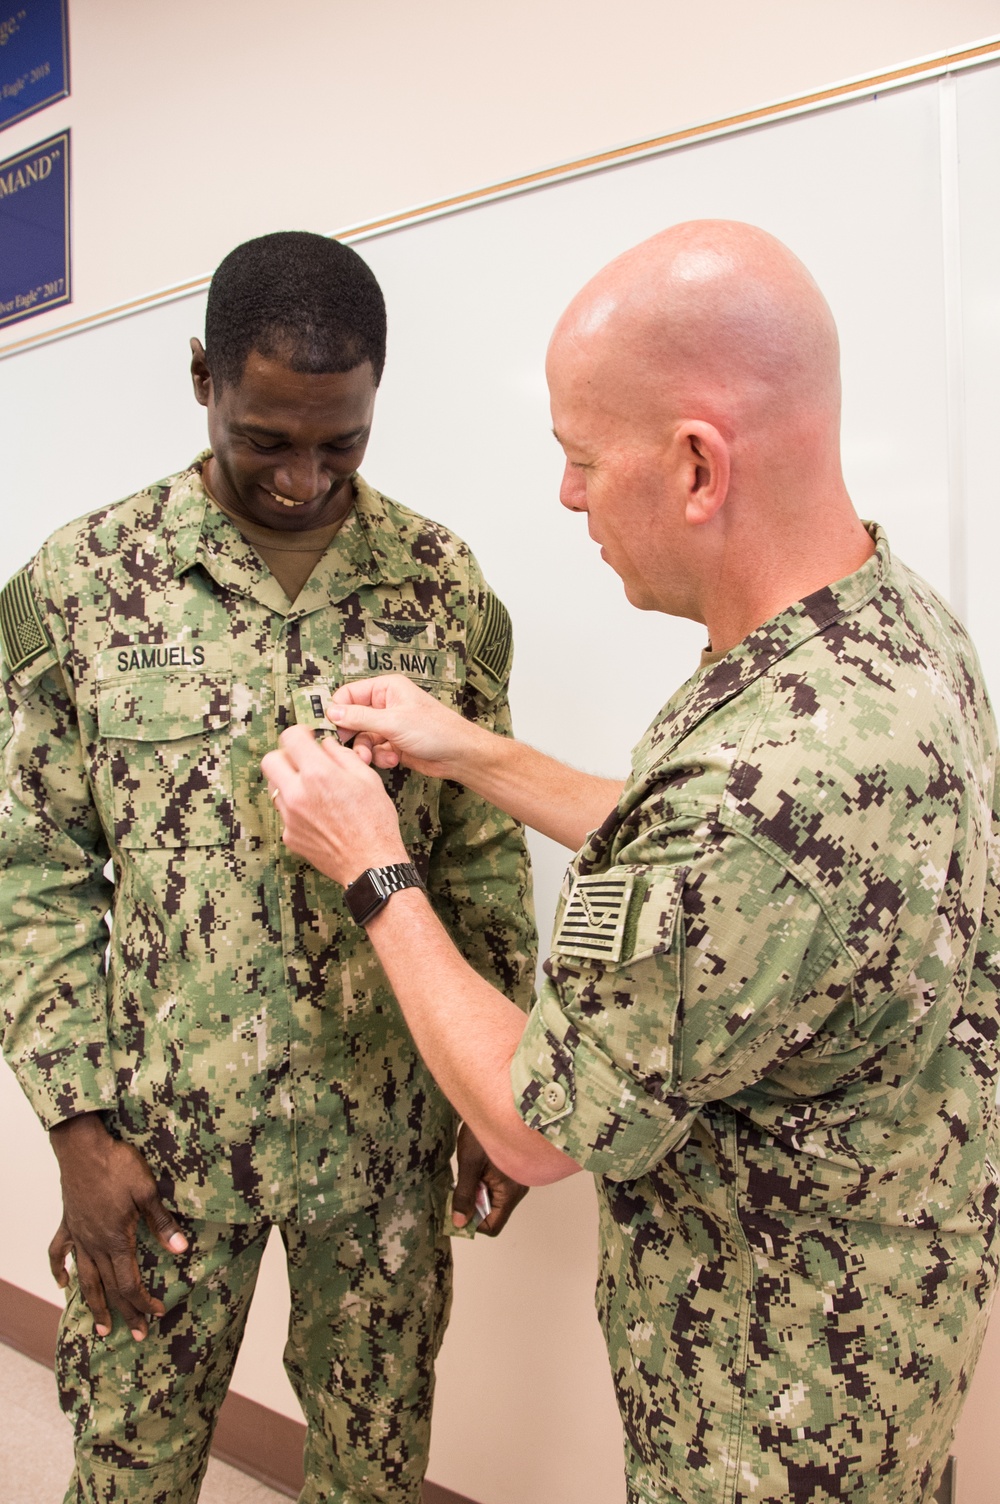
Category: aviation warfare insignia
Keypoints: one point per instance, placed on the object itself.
(402, 631)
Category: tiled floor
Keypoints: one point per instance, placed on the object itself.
(36, 1453)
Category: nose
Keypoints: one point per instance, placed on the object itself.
(572, 489)
(302, 477)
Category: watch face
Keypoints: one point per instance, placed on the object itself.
(364, 896)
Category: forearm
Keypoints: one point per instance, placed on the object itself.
(547, 795)
(467, 1033)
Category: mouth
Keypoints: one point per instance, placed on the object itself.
(286, 501)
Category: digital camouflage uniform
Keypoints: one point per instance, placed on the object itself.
(769, 1027)
(242, 1034)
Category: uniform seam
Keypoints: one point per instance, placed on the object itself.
(737, 1412)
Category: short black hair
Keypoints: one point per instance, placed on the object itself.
(298, 297)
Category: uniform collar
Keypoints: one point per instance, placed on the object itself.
(748, 660)
(366, 551)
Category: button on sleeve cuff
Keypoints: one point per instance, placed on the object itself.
(567, 1088)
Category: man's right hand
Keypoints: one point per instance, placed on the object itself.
(393, 721)
(107, 1186)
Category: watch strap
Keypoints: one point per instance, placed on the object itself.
(372, 890)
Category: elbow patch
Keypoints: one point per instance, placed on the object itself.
(24, 636)
(492, 652)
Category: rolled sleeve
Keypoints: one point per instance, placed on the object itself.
(569, 1089)
(670, 985)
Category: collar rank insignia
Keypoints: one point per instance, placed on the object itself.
(593, 923)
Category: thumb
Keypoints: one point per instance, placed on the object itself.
(164, 1227)
(472, 1163)
(356, 717)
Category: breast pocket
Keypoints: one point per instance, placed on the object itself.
(168, 743)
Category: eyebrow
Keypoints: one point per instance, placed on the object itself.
(256, 431)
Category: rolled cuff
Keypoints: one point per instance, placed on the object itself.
(568, 1089)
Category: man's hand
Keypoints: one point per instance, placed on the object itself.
(393, 721)
(473, 1167)
(107, 1186)
(337, 813)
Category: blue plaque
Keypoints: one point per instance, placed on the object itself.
(34, 57)
(34, 230)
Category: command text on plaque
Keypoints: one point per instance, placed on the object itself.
(34, 230)
(34, 57)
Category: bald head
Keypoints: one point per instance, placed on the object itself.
(711, 318)
(695, 387)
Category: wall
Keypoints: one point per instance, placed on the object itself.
(183, 144)
(196, 126)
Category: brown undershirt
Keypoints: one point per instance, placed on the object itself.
(290, 556)
(709, 656)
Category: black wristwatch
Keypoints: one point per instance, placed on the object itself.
(373, 889)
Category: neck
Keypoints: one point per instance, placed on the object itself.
(757, 579)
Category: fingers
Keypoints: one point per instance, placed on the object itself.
(295, 745)
(472, 1166)
(359, 692)
(124, 1289)
(164, 1226)
(92, 1290)
(59, 1251)
(377, 692)
(505, 1195)
(350, 719)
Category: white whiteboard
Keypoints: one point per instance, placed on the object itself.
(893, 204)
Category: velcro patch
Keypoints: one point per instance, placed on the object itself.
(494, 646)
(593, 923)
(22, 630)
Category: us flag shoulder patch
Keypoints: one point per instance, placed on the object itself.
(494, 647)
(593, 923)
(22, 631)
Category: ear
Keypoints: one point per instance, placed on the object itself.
(705, 457)
(201, 379)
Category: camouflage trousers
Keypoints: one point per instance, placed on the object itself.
(370, 1297)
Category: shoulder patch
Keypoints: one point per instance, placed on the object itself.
(494, 647)
(23, 633)
(593, 922)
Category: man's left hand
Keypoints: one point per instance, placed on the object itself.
(336, 812)
(473, 1167)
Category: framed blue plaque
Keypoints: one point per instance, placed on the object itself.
(34, 57)
(34, 230)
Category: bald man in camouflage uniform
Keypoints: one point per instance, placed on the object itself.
(243, 1042)
(770, 1019)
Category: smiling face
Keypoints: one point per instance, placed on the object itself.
(285, 444)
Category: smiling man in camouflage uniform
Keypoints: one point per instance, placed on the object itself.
(770, 1020)
(241, 1058)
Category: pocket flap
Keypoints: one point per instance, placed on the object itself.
(163, 708)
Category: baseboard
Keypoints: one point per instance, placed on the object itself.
(248, 1436)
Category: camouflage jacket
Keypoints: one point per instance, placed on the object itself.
(770, 1026)
(240, 1031)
